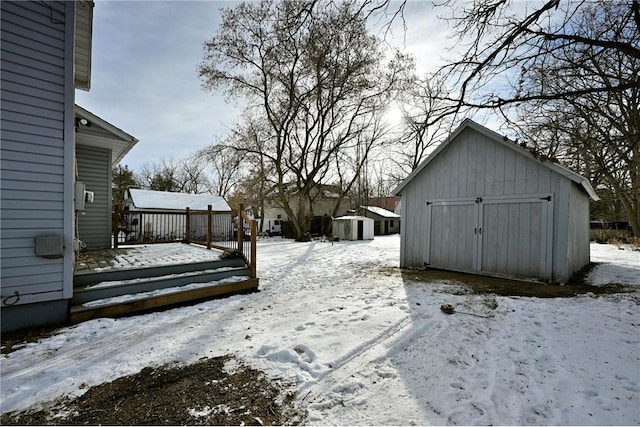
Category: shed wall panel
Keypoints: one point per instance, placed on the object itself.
(578, 249)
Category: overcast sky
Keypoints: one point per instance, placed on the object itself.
(144, 79)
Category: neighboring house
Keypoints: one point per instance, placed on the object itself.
(385, 222)
(325, 199)
(388, 203)
(482, 204)
(48, 145)
(274, 215)
(99, 147)
(352, 228)
(163, 227)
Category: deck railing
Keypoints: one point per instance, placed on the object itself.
(232, 232)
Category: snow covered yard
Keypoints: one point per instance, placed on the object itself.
(363, 343)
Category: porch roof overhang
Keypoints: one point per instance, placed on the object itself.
(83, 43)
(97, 132)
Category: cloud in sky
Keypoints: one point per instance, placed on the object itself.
(144, 78)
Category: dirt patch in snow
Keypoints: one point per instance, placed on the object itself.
(470, 283)
(205, 393)
(12, 341)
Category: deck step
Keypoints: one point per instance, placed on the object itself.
(81, 279)
(110, 289)
(146, 301)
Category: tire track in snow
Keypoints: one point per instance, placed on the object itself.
(374, 350)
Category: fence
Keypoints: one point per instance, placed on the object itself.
(224, 230)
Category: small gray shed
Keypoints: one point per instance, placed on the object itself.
(481, 203)
(352, 228)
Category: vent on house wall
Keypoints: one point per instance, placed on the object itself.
(49, 246)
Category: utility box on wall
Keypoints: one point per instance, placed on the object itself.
(49, 246)
(82, 196)
(79, 195)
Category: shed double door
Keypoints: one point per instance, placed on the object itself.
(508, 236)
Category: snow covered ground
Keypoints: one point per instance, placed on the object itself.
(363, 344)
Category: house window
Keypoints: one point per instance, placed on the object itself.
(391, 225)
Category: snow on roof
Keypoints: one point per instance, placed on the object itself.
(150, 199)
(330, 194)
(348, 217)
(380, 211)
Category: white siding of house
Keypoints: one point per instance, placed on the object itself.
(36, 70)
(475, 165)
(94, 170)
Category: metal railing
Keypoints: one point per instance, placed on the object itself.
(228, 231)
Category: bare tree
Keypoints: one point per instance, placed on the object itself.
(508, 40)
(597, 132)
(224, 166)
(425, 123)
(181, 176)
(249, 141)
(123, 179)
(312, 72)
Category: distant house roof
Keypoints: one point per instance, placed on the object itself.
(381, 212)
(468, 123)
(150, 199)
(388, 203)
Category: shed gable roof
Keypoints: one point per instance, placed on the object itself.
(503, 140)
(151, 199)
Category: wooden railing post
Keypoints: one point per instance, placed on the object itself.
(187, 226)
(209, 226)
(115, 226)
(240, 230)
(253, 250)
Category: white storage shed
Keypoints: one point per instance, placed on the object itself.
(352, 228)
(483, 204)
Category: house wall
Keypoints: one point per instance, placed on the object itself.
(94, 169)
(37, 159)
(322, 206)
(475, 165)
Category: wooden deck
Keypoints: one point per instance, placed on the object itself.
(106, 285)
(80, 313)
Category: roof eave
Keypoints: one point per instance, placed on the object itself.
(127, 142)
(83, 44)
